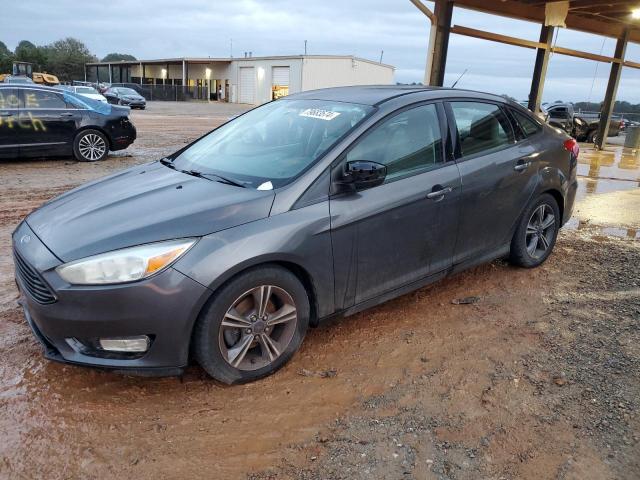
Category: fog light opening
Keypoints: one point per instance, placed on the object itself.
(137, 344)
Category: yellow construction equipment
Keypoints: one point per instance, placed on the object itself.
(25, 69)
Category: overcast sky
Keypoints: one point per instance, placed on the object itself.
(201, 28)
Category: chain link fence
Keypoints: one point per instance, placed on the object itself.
(176, 93)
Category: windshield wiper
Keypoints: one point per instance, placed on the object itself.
(168, 163)
(220, 178)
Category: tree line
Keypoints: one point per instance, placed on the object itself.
(64, 58)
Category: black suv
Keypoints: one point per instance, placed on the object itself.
(40, 121)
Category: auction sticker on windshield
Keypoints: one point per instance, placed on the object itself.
(319, 113)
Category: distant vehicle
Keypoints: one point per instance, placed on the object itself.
(561, 116)
(86, 91)
(542, 114)
(125, 96)
(586, 127)
(16, 79)
(316, 205)
(59, 123)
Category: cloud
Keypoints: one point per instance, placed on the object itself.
(201, 28)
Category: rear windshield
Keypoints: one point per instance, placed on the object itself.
(272, 144)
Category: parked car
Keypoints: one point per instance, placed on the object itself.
(17, 79)
(88, 92)
(315, 205)
(40, 121)
(125, 96)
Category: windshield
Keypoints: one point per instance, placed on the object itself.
(270, 145)
(127, 91)
(86, 90)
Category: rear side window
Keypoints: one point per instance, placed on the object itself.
(408, 143)
(43, 99)
(482, 127)
(528, 125)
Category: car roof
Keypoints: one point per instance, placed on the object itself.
(377, 94)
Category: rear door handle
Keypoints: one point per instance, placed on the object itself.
(67, 114)
(522, 164)
(6, 114)
(439, 193)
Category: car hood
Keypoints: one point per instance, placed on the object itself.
(144, 204)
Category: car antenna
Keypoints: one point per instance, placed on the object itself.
(461, 75)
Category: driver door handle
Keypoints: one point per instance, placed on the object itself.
(6, 114)
(67, 114)
(441, 192)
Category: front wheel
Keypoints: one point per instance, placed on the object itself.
(90, 146)
(536, 233)
(252, 326)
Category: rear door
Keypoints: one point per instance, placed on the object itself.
(498, 176)
(399, 232)
(51, 123)
(11, 135)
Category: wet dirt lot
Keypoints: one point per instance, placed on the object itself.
(537, 378)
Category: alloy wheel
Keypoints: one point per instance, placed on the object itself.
(92, 146)
(258, 327)
(540, 231)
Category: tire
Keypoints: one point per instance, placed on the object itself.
(218, 348)
(90, 146)
(591, 136)
(531, 233)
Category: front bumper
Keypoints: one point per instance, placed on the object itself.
(163, 307)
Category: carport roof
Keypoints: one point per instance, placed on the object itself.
(601, 17)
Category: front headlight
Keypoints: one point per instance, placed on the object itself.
(126, 265)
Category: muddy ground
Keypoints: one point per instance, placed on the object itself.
(539, 378)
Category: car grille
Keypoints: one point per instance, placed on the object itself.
(32, 281)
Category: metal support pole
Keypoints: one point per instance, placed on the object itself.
(110, 73)
(540, 68)
(141, 73)
(612, 90)
(443, 11)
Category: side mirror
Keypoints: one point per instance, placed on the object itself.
(361, 174)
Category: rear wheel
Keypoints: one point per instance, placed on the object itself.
(90, 146)
(252, 326)
(536, 233)
(591, 136)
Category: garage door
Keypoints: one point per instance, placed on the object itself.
(280, 76)
(279, 82)
(247, 85)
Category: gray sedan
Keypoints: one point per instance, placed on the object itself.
(316, 205)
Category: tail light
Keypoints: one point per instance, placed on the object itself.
(571, 145)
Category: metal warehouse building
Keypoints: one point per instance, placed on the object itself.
(252, 80)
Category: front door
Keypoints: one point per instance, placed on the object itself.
(498, 177)
(399, 232)
(51, 123)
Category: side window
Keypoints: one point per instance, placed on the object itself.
(527, 124)
(10, 98)
(406, 143)
(481, 127)
(43, 99)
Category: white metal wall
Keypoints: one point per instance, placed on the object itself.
(340, 72)
(264, 76)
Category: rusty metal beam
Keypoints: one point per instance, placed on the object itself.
(443, 12)
(540, 69)
(612, 90)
